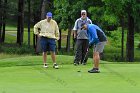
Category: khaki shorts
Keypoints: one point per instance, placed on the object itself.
(99, 47)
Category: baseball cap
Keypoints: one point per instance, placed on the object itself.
(49, 14)
(83, 11)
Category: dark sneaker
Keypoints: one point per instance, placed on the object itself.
(55, 66)
(94, 70)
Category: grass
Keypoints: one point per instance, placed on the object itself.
(26, 75)
(4, 55)
(11, 37)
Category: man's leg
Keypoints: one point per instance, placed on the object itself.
(43, 43)
(45, 59)
(53, 56)
(78, 52)
(54, 60)
(52, 46)
(96, 59)
(85, 50)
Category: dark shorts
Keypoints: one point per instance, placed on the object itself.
(48, 44)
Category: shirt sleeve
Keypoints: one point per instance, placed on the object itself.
(57, 34)
(93, 36)
(36, 27)
(90, 21)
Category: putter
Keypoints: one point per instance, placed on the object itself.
(86, 54)
(79, 69)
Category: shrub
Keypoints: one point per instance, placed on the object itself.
(16, 49)
(139, 45)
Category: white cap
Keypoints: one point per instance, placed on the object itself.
(83, 11)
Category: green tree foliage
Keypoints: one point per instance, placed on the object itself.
(64, 12)
(120, 8)
(125, 9)
(67, 11)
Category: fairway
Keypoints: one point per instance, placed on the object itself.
(26, 75)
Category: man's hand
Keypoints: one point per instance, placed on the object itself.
(38, 35)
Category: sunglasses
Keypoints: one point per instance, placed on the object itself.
(83, 14)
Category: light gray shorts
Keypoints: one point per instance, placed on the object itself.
(99, 47)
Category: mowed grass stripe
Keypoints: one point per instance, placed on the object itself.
(22, 77)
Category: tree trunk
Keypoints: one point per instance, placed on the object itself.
(19, 21)
(37, 18)
(29, 13)
(74, 41)
(4, 20)
(20, 27)
(1, 21)
(34, 41)
(3, 33)
(38, 46)
(43, 2)
(59, 41)
(130, 39)
(68, 40)
(122, 47)
(22, 21)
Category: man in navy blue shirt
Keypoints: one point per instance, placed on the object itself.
(98, 39)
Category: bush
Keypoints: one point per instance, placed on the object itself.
(139, 45)
(16, 49)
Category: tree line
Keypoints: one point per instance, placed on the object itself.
(109, 14)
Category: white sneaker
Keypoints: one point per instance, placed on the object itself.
(55, 66)
(45, 66)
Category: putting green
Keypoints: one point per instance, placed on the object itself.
(19, 76)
